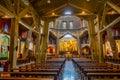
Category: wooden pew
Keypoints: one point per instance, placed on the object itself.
(37, 70)
(32, 74)
(93, 76)
(23, 78)
(49, 68)
(107, 79)
(90, 70)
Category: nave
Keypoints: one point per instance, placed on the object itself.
(59, 39)
(64, 69)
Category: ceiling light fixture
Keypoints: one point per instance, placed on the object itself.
(68, 13)
(53, 13)
(5, 16)
(113, 12)
(87, 0)
(83, 12)
(48, 1)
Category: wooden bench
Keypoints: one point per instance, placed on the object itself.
(102, 75)
(51, 67)
(113, 60)
(36, 70)
(91, 70)
(32, 74)
(23, 78)
(107, 79)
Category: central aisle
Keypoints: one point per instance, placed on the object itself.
(69, 72)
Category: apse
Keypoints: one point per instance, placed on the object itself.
(68, 43)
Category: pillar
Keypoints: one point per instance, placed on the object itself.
(13, 43)
(25, 54)
(101, 21)
(44, 39)
(92, 38)
(14, 35)
(99, 37)
(37, 49)
(58, 44)
(78, 43)
(100, 48)
(80, 46)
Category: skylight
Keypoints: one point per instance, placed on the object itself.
(68, 36)
(68, 13)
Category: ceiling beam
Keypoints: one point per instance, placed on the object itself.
(35, 16)
(56, 15)
(27, 26)
(103, 21)
(62, 6)
(6, 11)
(86, 14)
(34, 13)
(77, 7)
(83, 33)
(111, 24)
(9, 4)
(16, 7)
(114, 6)
(24, 11)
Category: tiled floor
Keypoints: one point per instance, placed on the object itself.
(69, 72)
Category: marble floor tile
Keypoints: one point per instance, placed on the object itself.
(69, 72)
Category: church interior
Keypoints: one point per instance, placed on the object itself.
(59, 39)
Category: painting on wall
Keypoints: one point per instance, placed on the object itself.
(68, 44)
(118, 45)
(22, 46)
(107, 49)
(4, 43)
